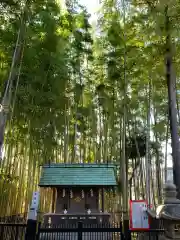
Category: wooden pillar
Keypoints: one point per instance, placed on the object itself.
(69, 198)
(99, 200)
(102, 196)
(53, 200)
(31, 229)
(85, 200)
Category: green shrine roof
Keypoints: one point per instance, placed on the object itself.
(78, 175)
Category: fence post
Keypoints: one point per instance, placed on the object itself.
(31, 225)
(2, 232)
(121, 231)
(38, 232)
(17, 233)
(127, 233)
(32, 218)
(80, 230)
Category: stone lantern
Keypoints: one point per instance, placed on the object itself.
(169, 212)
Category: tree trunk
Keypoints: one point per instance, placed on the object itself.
(171, 83)
(147, 157)
(6, 99)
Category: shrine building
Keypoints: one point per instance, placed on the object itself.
(79, 191)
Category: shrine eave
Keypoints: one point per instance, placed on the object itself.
(78, 175)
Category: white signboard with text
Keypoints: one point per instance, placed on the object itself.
(139, 219)
(34, 206)
(35, 200)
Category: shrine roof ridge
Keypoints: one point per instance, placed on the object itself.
(79, 165)
(57, 174)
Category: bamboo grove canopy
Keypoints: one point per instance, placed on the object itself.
(78, 89)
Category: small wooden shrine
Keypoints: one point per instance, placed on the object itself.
(79, 191)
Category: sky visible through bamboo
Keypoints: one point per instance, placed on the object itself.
(77, 112)
(92, 7)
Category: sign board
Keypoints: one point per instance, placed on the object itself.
(35, 201)
(139, 219)
(34, 206)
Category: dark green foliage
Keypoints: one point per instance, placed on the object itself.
(70, 101)
(136, 146)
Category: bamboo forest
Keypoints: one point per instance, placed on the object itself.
(77, 89)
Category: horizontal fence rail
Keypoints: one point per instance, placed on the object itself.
(80, 232)
(19, 218)
(12, 231)
(94, 232)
